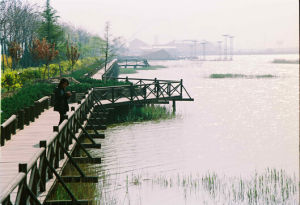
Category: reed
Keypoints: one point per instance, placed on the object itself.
(144, 113)
(230, 75)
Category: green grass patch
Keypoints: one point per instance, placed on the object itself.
(127, 71)
(153, 67)
(134, 70)
(229, 75)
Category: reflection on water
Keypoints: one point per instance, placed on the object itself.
(234, 128)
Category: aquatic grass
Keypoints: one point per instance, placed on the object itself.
(152, 67)
(127, 71)
(269, 187)
(80, 190)
(230, 75)
(284, 61)
(144, 113)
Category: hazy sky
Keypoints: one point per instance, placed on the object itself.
(254, 23)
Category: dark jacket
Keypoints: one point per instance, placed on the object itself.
(61, 100)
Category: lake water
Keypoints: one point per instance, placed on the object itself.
(235, 130)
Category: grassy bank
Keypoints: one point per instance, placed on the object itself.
(30, 92)
(230, 75)
(135, 70)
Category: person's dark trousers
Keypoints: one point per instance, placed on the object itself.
(61, 117)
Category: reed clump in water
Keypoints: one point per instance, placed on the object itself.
(230, 75)
(269, 187)
(144, 113)
(284, 61)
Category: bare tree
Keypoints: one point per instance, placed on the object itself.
(18, 23)
(107, 46)
(72, 55)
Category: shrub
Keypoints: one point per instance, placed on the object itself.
(23, 98)
(29, 75)
(11, 80)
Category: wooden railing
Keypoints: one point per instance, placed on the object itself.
(23, 117)
(144, 90)
(33, 176)
(112, 70)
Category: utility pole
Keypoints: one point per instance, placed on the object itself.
(220, 50)
(231, 46)
(225, 46)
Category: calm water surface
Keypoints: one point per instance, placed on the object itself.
(235, 128)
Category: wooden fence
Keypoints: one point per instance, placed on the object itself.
(23, 117)
(33, 176)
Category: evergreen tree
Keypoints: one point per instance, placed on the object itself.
(50, 30)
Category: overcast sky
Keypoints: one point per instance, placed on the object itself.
(255, 24)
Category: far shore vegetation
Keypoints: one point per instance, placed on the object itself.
(230, 75)
(284, 61)
(135, 70)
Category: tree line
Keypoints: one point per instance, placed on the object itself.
(31, 36)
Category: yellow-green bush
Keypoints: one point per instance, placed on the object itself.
(11, 80)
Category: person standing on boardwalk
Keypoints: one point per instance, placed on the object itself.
(61, 99)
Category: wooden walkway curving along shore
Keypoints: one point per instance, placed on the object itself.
(31, 162)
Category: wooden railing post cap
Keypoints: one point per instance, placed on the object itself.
(43, 143)
(23, 167)
(55, 128)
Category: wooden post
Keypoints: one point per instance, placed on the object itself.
(26, 115)
(73, 97)
(156, 87)
(37, 109)
(31, 113)
(14, 125)
(21, 119)
(169, 89)
(2, 136)
(52, 99)
(112, 95)
(174, 105)
(181, 88)
(47, 103)
(131, 92)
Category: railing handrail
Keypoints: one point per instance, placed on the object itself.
(9, 121)
(43, 99)
(132, 85)
(30, 164)
(144, 79)
(11, 186)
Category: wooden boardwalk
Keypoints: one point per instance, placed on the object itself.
(24, 145)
